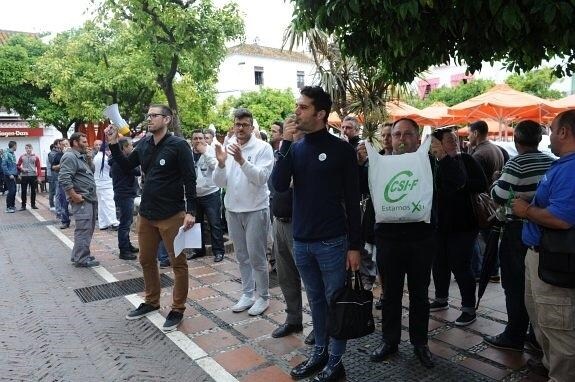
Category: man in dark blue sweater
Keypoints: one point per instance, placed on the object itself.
(326, 219)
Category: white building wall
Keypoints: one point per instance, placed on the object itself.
(237, 75)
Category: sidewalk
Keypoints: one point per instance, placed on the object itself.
(244, 347)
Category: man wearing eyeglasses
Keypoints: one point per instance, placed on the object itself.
(244, 167)
(168, 202)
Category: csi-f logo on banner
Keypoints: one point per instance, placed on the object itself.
(398, 188)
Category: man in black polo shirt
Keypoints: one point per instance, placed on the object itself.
(167, 164)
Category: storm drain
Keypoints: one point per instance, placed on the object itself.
(21, 226)
(117, 289)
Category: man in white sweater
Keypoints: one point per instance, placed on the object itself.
(105, 191)
(244, 167)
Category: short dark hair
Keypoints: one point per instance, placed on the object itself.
(440, 132)
(197, 131)
(528, 133)
(28, 145)
(353, 119)
(242, 112)
(164, 108)
(481, 128)
(11, 144)
(207, 131)
(264, 136)
(567, 119)
(75, 137)
(320, 99)
(57, 141)
(409, 120)
(279, 124)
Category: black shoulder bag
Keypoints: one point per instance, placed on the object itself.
(557, 257)
(350, 312)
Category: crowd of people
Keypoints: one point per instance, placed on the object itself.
(310, 193)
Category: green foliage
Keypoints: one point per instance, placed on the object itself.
(185, 37)
(452, 96)
(406, 37)
(536, 82)
(266, 105)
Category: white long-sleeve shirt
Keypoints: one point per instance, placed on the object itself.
(102, 174)
(246, 185)
(205, 167)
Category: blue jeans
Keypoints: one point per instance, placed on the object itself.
(163, 253)
(321, 265)
(126, 209)
(62, 204)
(211, 206)
(11, 188)
(52, 185)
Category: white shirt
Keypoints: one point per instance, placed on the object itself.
(246, 185)
(205, 167)
(102, 174)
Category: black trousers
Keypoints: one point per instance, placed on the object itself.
(24, 182)
(397, 257)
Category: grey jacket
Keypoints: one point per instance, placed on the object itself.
(76, 173)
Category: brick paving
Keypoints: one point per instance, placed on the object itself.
(238, 342)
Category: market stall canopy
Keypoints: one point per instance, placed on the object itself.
(565, 103)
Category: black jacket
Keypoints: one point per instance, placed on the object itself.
(125, 183)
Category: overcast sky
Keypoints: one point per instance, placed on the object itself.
(265, 20)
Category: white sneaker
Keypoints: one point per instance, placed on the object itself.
(259, 307)
(244, 303)
(53, 209)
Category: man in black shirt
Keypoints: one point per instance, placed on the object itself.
(168, 169)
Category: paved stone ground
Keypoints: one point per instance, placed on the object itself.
(48, 334)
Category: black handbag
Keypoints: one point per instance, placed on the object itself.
(484, 210)
(557, 257)
(350, 310)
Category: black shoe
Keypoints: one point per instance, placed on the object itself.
(165, 264)
(437, 306)
(134, 249)
(382, 352)
(195, 255)
(465, 319)
(127, 256)
(218, 257)
(23, 208)
(331, 373)
(501, 341)
(379, 303)
(34, 207)
(172, 321)
(495, 279)
(310, 366)
(310, 339)
(424, 355)
(88, 264)
(104, 228)
(141, 311)
(114, 227)
(286, 329)
(64, 225)
(532, 344)
(537, 367)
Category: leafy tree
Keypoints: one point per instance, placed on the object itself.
(454, 95)
(18, 92)
(536, 82)
(185, 37)
(95, 66)
(406, 37)
(267, 106)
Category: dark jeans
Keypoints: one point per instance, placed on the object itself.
(63, 213)
(512, 253)
(10, 185)
(52, 184)
(24, 182)
(163, 253)
(397, 257)
(126, 208)
(210, 205)
(477, 258)
(454, 253)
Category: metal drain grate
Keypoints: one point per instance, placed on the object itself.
(117, 289)
(20, 226)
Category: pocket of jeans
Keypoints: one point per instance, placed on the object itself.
(336, 242)
(556, 312)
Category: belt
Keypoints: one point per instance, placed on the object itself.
(284, 220)
(534, 248)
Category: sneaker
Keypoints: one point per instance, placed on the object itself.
(436, 306)
(10, 210)
(53, 209)
(127, 256)
(495, 279)
(244, 303)
(141, 311)
(465, 319)
(259, 307)
(502, 341)
(172, 321)
(87, 264)
(165, 264)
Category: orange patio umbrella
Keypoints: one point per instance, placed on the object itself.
(397, 109)
(565, 103)
(436, 115)
(493, 128)
(504, 104)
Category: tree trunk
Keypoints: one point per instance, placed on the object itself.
(168, 89)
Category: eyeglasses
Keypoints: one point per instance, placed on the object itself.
(407, 134)
(154, 115)
(243, 125)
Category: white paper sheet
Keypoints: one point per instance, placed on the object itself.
(191, 238)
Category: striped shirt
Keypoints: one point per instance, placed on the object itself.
(521, 174)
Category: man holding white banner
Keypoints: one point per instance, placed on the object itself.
(402, 191)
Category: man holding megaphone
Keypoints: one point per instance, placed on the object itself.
(168, 202)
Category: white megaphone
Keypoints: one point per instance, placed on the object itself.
(113, 114)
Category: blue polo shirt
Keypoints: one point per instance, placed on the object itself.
(556, 193)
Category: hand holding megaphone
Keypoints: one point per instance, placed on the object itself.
(113, 114)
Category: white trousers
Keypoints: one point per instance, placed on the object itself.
(106, 208)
